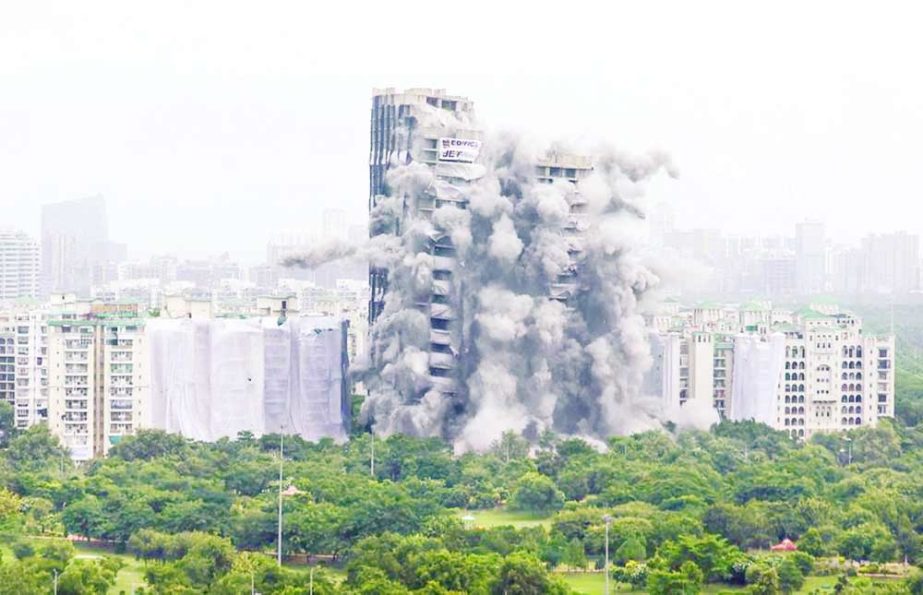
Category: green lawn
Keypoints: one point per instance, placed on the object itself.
(499, 517)
(593, 583)
(129, 578)
(127, 581)
(823, 583)
(336, 573)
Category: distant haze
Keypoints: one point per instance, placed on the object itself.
(212, 126)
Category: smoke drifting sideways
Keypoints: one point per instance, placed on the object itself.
(521, 360)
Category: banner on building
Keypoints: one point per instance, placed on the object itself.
(459, 149)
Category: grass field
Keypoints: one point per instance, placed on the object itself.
(129, 578)
(594, 584)
(500, 517)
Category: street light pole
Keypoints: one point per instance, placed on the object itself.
(311, 583)
(372, 460)
(848, 450)
(608, 520)
(279, 536)
(55, 581)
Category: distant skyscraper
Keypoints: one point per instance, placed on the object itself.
(891, 262)
(779, 273)
(19, 265)
(810, 257)
(75, 234)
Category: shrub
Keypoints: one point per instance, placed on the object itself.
(23, 549)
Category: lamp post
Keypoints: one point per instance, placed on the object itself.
(55, 581)
(608, 521)
(849, 450)
(279, 535)
(311, 583)
(372, 458)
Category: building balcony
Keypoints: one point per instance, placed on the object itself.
(444, 263)
(443, 384)
(442, 311)
(441, 360)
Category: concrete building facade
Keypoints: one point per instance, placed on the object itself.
(24, 332)
(20, 266)
(98, 378)
(400, 133)
(410, 127)
(800, 372)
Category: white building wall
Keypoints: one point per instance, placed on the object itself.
(216, 378)
(701, 366)
(125, 390)
(758, 363)
(98, 383)
(814, 371)
(663, 378)
(20, 265)
(72, 403)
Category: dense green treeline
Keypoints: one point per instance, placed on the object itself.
(684, 510)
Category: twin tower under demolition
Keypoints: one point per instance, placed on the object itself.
(505, 284)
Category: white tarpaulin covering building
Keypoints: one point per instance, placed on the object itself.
(214, 378)
(758, 366)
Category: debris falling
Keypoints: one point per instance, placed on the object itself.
(513, 299)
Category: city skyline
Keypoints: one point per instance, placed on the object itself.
(564, 299)
(199, 128)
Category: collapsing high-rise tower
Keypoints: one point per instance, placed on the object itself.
(406, 128)
(504, 279)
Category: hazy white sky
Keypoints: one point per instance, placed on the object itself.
(209, 126)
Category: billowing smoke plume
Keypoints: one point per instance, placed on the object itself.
(542, 302)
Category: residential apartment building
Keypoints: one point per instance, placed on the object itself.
(26, 332)
(427, 126)
(411, 126)
(7, 366)
(802, 372)
(98, 377)
(403, 130)
(571, 168)
(20, 266)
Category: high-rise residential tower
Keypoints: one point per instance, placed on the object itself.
(23, 348)
(400, 133)
(99, 379)
(19, 265)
